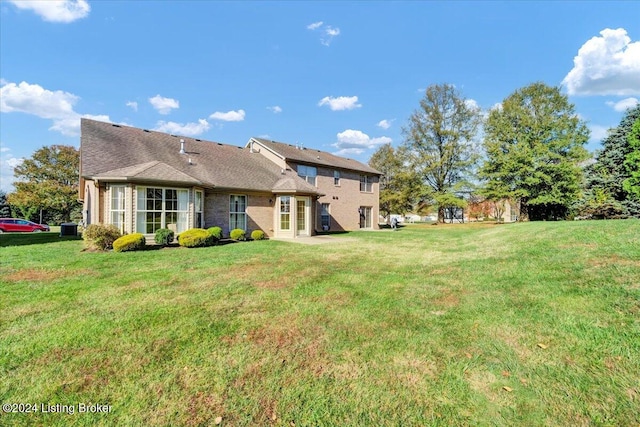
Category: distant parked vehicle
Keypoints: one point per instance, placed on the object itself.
(12, 225)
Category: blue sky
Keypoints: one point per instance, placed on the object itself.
(337, 76)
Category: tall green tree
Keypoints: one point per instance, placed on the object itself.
(534, 146)
(439, 143)
(610, 180)
(632, 163)
(400, 187)
(49, 181)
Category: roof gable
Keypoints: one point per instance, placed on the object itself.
(312, 156)
(151, 171)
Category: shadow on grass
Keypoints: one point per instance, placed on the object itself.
(23, 239)
(331, 233)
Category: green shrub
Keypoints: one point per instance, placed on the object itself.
(164, 236)
(237, 234)
(257, 235)
(100, 236)
(215, 232)
(130, 242)
(195, 237)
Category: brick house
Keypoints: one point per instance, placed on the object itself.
(142, 180)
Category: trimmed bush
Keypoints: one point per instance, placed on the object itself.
(164, 236)
(237, 234)
(215, 232)
(130, 242)
(100, 236)
(257, 235)
(195, 237)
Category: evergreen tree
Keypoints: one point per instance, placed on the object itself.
(5, 209)
(632, 163)
(610, 180)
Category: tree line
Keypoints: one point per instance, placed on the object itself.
(528, 150)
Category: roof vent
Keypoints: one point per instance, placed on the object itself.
(182, 147)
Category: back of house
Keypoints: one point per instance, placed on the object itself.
(141, 180)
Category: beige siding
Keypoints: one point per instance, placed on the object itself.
(258, 148)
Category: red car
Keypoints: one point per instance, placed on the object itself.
(10, 225)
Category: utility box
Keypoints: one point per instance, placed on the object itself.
(68, 229)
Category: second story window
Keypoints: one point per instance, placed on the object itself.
(336, 178)
(308, 173)
(365, 183)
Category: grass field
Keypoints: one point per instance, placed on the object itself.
(534, 324)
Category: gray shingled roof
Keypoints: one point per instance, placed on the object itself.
(316, 157)
(151, 171)
(117, 151)
(291, 183)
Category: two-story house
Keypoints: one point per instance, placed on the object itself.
(142, 180)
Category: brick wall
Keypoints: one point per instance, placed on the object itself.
(345, 199)
(259, 212)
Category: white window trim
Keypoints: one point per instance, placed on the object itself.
(368, 183)
(243, 213)
(198, 209)
(287, 213)
(122, 211)
(163, 211)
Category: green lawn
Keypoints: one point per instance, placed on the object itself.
(521, 324)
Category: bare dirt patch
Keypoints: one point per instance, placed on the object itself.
(31, 275)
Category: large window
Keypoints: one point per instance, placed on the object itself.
(365, 183)
(237, 212)
(199, 201)
(117, 207)
(325, 217)
(162, 208)
(285, 213)
(309, 173)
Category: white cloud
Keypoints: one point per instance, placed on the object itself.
(384, 124)
(7, 163)
(276, 109)
(328, 33)
(496, 106)
(623, 105)
(229, 116)
(472, 103)
(70, 126)
(315, 25)
(54, 105)
(356, 142)
(606, 65)
(189, 129)
(133, 105)
(340, 103)
(34, 99)
(164, 105)
(56, 11)
(598, 133)
(13, 162)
